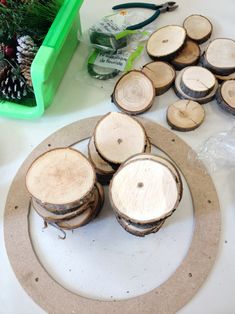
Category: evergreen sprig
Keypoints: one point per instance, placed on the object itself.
(33, 18)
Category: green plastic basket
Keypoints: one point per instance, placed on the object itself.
(50, 63)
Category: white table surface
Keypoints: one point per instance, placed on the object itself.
(76, 100)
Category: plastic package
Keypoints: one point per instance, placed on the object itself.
(111, 34)
(217, 152)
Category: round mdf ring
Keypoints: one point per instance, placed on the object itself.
(168, 298)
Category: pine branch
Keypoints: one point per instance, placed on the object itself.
(33, 18)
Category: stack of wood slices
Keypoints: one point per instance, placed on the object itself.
(117, 137)
(62, 183)
(144, 192)
(196, 83)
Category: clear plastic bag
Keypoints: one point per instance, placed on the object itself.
(102, 69)
(111, 34)
(217, 152)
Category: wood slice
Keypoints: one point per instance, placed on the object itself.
(161, 74)
(51, 217)
(220, 56)
(134, 93)
(198, 28)
(83, 218)
(165, 162)
(61, 177)
(166, 42)
(222, 78)
(101, 166)
(118, 136)
(189, 55)
(185, 115)
(144, 191)
(139, 231)
(226, 96)
(180, 93)
(197, 82)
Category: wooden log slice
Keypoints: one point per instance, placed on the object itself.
(166, 42)
(134, 93)
(220, 56)
(161, 74)
(226, 96)
(101, 166)
(144, 191)
(197, 82)
(51, 217)
(185, 115)
(118, 136)
(138, 230)
(61, 178)
(62, 210)
(83, 218)
(222, 78)
(180, 93)
(189, 55)
(165, 162)
(198, 28)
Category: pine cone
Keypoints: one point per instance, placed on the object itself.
(26, 51)
(13, 87)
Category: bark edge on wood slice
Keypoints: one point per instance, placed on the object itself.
(189, 55)
(197, 82)
(134, 93)
(198, 28)
(118, 136)
(89, 214)
(60, 178)
(161, 74)
(101, 166)
(180, 93)
(52, 217)
(219, 56)
(185, 115)
(226, 96)
(166, 42)
(134, 196)
(138, 230)
(222, 78)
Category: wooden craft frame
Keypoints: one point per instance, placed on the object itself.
(170, 296)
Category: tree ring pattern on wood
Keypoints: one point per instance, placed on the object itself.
(164, 43)
(134, 93)
(185, 115)
(157, 198)
(198, 28)
(161, 74)
(113, 127)
(61, 177)
(165, 162)
(189, 55)
(168, 298)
